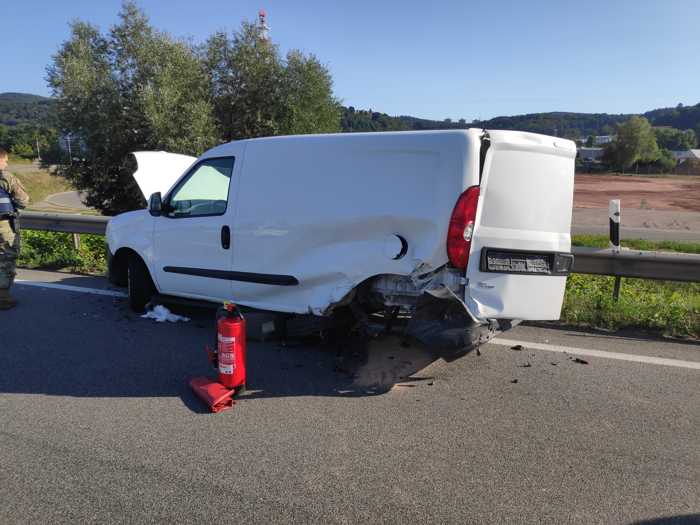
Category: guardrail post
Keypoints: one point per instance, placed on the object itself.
(614, 219)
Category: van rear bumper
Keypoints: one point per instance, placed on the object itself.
(444, 325)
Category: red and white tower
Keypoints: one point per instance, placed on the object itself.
(263, 28)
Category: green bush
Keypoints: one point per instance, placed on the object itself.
(55, 251)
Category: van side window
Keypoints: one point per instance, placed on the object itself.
(204, 191)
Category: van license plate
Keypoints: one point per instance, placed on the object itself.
(518, 262)
(533, 263)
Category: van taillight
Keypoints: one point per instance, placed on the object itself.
(459, 236)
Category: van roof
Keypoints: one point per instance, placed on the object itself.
(523, 137)
(322, 136)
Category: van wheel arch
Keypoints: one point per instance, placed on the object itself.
(141, 287)
(118, 270)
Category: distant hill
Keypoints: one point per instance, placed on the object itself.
(572, 125)
(22, 108)
(681, 117)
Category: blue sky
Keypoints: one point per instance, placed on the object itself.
(457, 59)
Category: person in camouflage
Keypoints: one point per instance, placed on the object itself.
(9, 233)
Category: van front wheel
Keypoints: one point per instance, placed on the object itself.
(140, 284)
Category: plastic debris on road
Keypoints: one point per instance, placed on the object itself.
(161, 314)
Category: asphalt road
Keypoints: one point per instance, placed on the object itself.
(98, 425)
(67, 199)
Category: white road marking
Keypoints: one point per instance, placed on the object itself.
(68, 288)
(599, 353)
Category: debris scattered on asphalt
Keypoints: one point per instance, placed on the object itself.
(526, 365)
(580, 361)
(517, 348)
(161, 314)
(553, 363)
(513, 380)
(431, 383)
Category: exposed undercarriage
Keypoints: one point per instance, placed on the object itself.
(423, 306)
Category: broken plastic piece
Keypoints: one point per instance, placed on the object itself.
(215, 395)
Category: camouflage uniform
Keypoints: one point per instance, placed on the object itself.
(9, 239)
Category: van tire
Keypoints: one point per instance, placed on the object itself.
(139, 283)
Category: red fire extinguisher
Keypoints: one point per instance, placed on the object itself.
(230, 335)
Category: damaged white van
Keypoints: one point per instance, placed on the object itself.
(460, 234)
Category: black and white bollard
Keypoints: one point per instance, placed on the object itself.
(614, 217)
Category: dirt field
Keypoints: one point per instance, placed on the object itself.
(679, 193)
(661, 204)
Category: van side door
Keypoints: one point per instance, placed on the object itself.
(192, 237)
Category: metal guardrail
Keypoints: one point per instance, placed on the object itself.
(61, 222)
(626, 263)
(634, 263)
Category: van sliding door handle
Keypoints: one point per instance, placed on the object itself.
(225, 237)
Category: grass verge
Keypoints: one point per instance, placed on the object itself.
(667, 307)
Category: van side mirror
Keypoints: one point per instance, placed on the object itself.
(155, 204)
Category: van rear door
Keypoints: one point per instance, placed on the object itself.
(520, 249)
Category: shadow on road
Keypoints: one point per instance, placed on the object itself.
(69, 344)
(686, 519)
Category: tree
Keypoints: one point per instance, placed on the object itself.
(635, 143)
(132, 89)
(245, 74)
(666, 162)
(607, 130)
(255, 92)
(308, 104)
(675, 139)
(590, 141)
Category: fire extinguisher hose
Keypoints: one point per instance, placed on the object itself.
(214, 394)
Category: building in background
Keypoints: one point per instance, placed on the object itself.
(590, 154)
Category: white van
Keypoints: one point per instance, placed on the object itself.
(465, 232)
